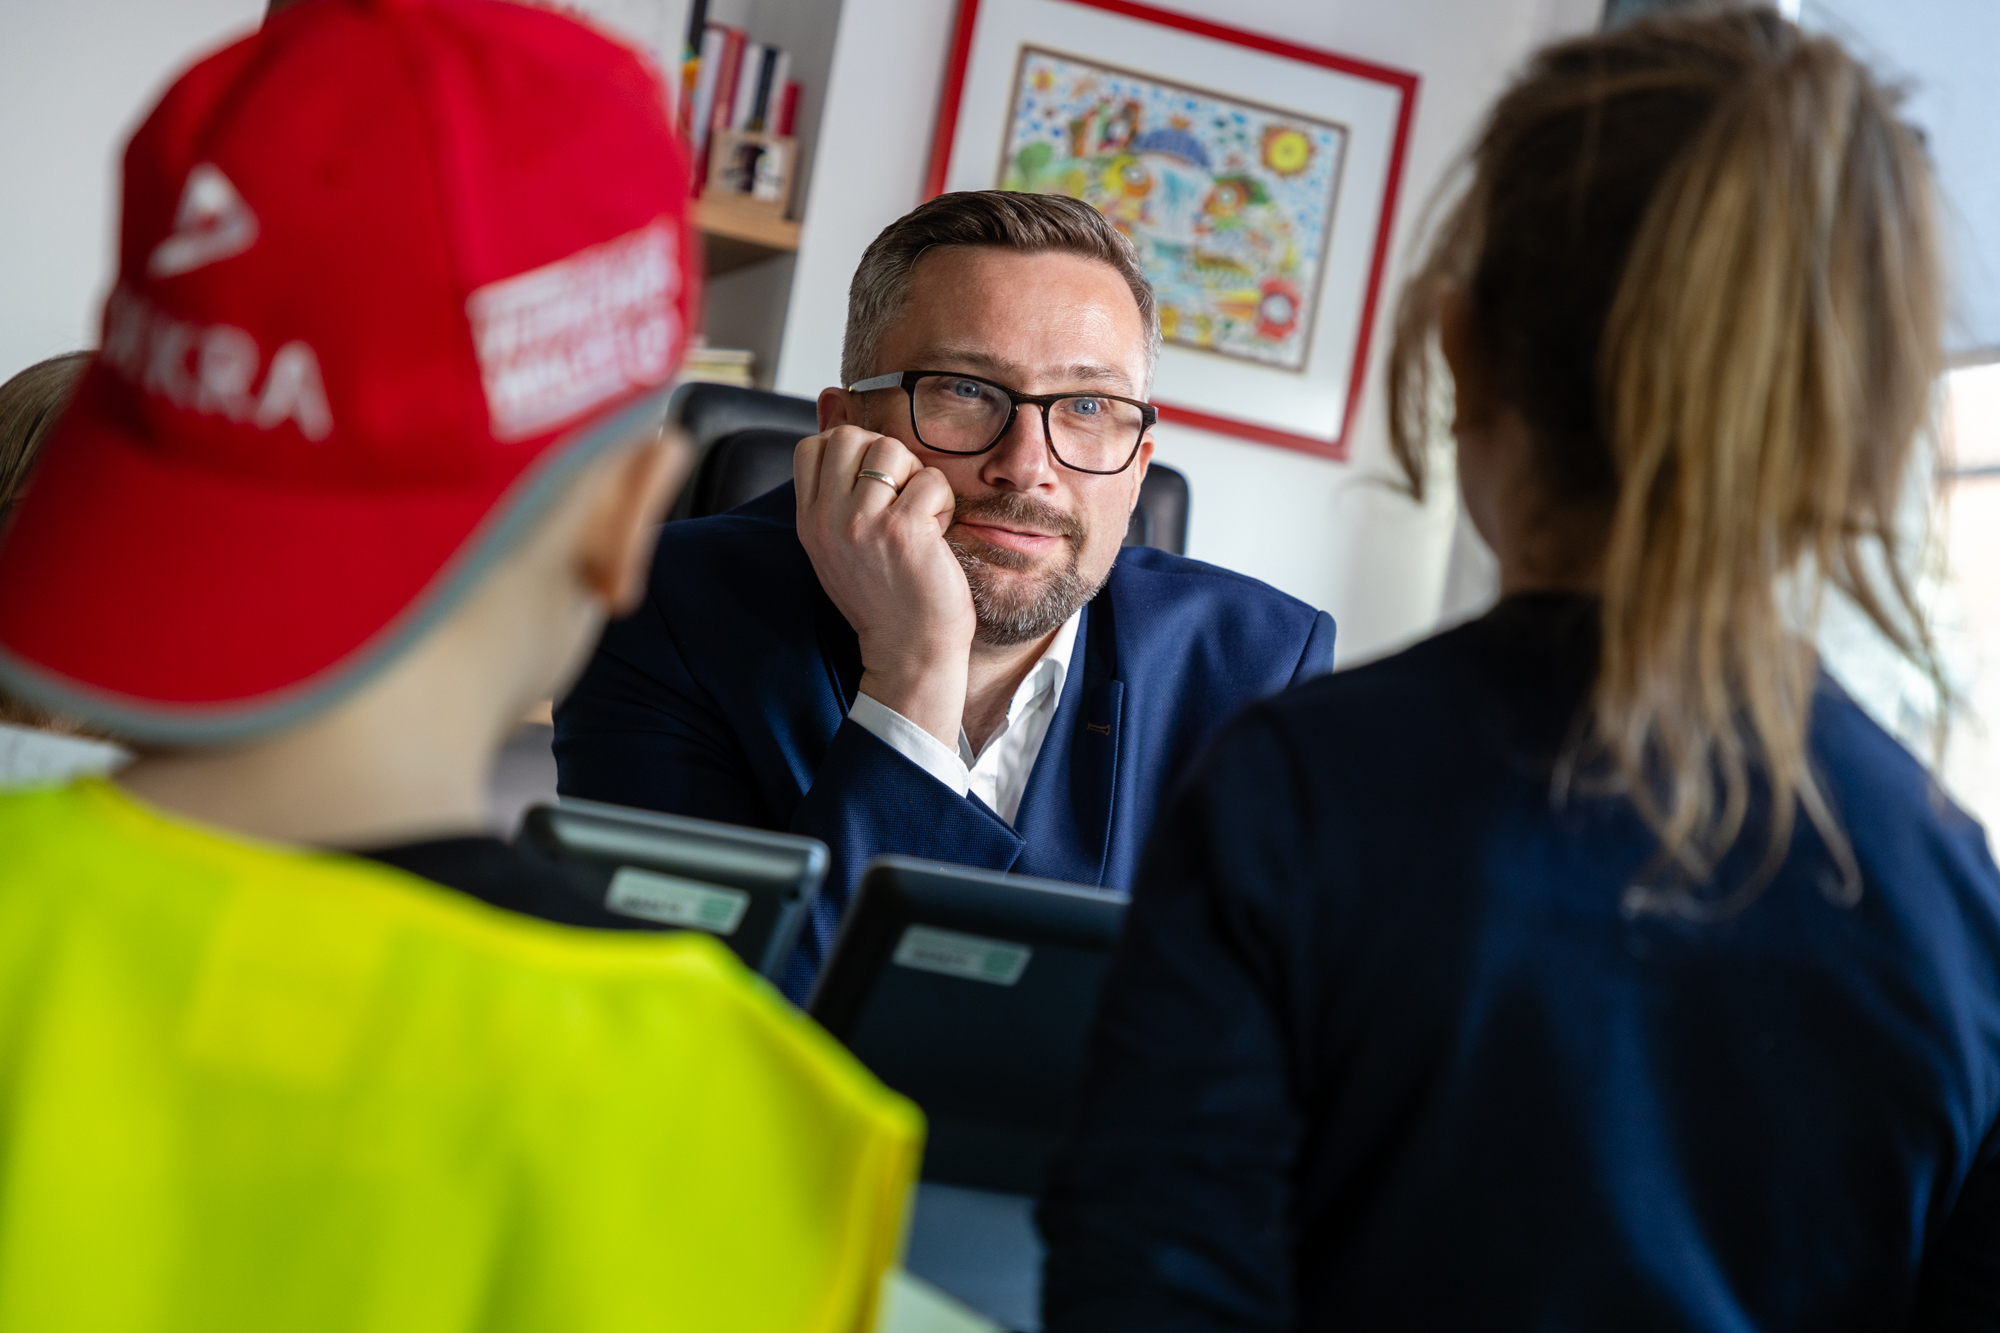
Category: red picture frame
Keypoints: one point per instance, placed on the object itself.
(1405, 84)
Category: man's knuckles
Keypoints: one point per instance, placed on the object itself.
(851, 442)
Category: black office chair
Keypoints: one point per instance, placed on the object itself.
(747, 437)
(710, 414)
(707, 412)
(739, 467)
(1160, 519)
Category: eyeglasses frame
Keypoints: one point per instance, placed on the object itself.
(907, 381)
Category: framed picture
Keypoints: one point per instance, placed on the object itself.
(1257, 179)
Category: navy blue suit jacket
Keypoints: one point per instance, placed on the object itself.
(1384, 1047)
(725, 696)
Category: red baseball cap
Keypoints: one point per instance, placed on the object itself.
(390, 274)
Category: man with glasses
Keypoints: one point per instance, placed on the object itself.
(931, 644)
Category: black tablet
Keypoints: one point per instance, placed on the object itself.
(644, 870)
(972, 993)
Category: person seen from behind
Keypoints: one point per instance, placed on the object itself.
(1598, 964)
(369, 453)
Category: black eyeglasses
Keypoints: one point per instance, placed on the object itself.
(1099, 433)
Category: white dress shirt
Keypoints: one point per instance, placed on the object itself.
(998, 774)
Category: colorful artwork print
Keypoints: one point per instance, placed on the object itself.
(1230, 204)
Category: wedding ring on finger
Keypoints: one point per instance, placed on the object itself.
(882, 477)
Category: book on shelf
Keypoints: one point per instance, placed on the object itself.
(739, 94)
(788, 109)
(719, 365)
(722, 103)
(748, 66)
(701, 105)
(690, 68)
(772, 77)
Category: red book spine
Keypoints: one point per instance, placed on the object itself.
(788, 109)
(727, 72)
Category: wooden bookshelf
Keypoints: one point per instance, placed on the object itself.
(738, 234)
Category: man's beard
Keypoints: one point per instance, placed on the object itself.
(1016, 615)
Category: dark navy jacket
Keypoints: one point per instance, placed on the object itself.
(725, 696)
(1383, 1046)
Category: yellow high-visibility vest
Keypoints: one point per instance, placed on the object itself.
(252, 1087)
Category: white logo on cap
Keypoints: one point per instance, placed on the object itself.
(213, 368)
(559, 340)
(212, 223)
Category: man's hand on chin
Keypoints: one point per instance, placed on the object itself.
(879, 550)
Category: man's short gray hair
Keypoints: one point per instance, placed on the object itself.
(1030, 223)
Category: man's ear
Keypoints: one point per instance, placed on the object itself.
(1139, 466)
(838, 407)
(615, 547)
(1472, 389)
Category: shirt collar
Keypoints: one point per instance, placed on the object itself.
(1053, 668)
(1049, 672)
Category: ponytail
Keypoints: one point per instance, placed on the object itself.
(1701, 253)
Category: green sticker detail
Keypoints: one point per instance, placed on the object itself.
(973, 957)
(673, 901)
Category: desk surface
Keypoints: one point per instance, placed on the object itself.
(982, 1249)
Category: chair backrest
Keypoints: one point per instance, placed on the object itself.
(707, 412)
(711, 413)
(740, 467)
(1160, 520)
(746, 438)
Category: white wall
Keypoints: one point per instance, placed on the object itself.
(1943, 52)
(658, 27)
(746, 308)
(1331, 533)
(75, 77)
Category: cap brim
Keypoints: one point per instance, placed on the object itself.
(176, 608)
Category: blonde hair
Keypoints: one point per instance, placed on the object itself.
(1698, 255)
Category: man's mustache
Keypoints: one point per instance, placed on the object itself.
(1011, 509)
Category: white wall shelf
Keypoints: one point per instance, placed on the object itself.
(737, 235)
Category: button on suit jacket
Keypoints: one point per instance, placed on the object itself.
(725, 696)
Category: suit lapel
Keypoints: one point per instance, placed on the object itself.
(1066, 811)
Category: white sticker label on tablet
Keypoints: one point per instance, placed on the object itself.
(973, 957)
(673, 901)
